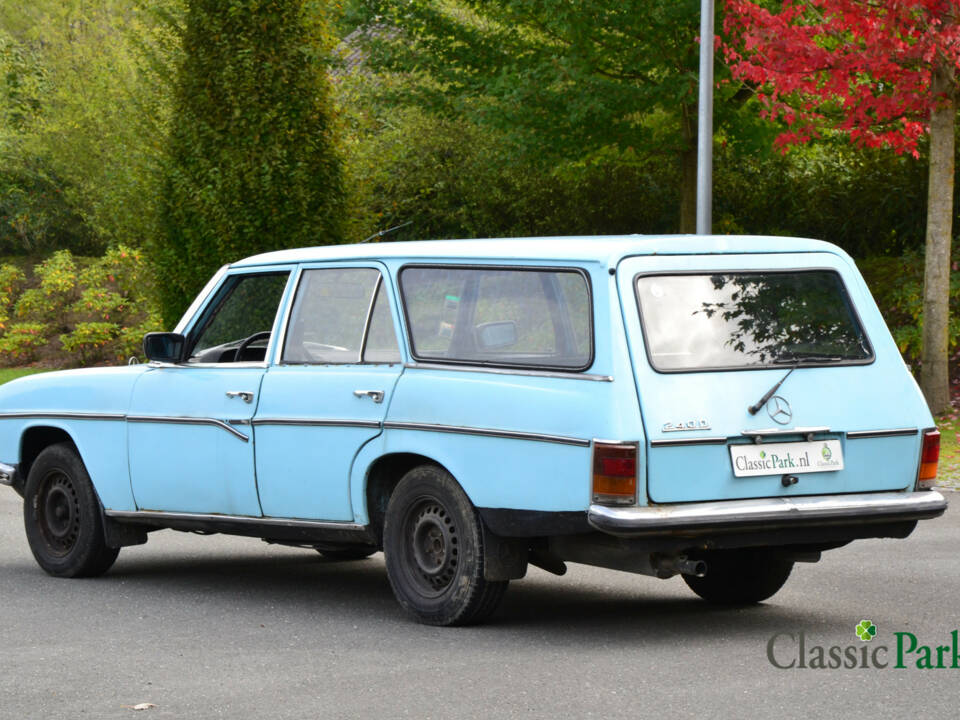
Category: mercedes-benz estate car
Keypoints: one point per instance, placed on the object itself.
(716, 408)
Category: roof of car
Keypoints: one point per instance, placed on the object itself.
(602, 249)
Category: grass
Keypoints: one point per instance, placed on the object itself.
(949, 470)
(8, 374)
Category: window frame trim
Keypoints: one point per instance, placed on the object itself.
(192, 330)
(381, 270)
(408, 326)
(635, 281)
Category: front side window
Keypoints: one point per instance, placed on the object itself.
(499, 316)
(339, 316)
(237, 323)
(752, 319)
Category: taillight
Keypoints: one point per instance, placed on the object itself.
(929, 458)
(614, 473)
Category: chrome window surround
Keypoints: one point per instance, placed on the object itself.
(846, 293)
(207, 294)
(508, 371)
(517, 268)
(288, 311)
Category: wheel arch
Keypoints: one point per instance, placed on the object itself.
(381, 479)
(37, 438)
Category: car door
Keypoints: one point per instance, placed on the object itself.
(190, 440)
(328, 391)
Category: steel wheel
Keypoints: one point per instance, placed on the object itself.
(62, 516)
(58, 512)
(433, 546)
(431, 551)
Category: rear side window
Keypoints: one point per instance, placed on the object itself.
(757, 319)
(499, 316)
(340, 316)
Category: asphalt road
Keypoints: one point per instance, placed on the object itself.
(207, 627)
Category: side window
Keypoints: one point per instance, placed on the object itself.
(333, 311)
(237, 323)
(381, 345)
(524, 317)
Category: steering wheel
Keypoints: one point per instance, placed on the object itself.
(247, 341)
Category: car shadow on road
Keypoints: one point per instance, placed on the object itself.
(646, 610)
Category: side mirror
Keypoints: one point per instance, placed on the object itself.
(164, 347)
(494, 335)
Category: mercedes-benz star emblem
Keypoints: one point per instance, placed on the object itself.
(779, 410)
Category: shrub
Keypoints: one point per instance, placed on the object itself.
(79, 311)
(22, 341)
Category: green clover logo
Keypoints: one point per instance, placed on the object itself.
(866, 630)
(763, 455)
(827, 454)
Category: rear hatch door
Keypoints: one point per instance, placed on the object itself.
(712, 335)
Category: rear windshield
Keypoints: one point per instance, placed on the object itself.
(740, 320)
(499, 316)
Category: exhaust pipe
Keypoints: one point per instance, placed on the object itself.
(670, 565)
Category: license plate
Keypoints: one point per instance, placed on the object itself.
(791, 458)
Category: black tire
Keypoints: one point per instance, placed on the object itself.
(433, 545)
(347, 552)
(740, 577)
(61, 515)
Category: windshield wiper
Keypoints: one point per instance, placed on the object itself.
(798, 359)
(802, 358)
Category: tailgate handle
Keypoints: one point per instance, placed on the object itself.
(759, 436)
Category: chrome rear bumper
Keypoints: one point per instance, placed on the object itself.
(730, 515)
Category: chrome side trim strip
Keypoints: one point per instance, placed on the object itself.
(171, 420)
(486, 432)
(509, 371)
(375, 424)
(134, 515)
(689, 441)
(782, 511)
(881, 433)
(61, 415)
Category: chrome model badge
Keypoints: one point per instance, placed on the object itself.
(700, 424)
(779, 410)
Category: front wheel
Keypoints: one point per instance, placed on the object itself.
(740, 577)
(433, 547)
(61, 515)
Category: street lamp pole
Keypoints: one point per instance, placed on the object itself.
(705, 123)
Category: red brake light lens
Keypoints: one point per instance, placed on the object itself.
(614, 474)
(929, 459)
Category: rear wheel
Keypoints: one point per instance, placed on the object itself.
(433, 545)
(61, 516)
(740, 577)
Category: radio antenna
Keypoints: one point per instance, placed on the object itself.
(381, 233)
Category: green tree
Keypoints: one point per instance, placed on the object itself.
(250, 163)
(82, 112)
(559, 79)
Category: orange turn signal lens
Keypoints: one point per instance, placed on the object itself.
(614, 473)
(929, 459)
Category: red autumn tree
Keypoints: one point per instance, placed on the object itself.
(883, 72)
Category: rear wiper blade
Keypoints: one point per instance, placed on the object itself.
(802, 358)
(797, 359)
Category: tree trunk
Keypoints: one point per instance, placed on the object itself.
(688, 170)
(934, 371)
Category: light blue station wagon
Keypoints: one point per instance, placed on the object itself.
(711, 407)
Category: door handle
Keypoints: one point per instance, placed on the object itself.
(245, 395)
(375, 395)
